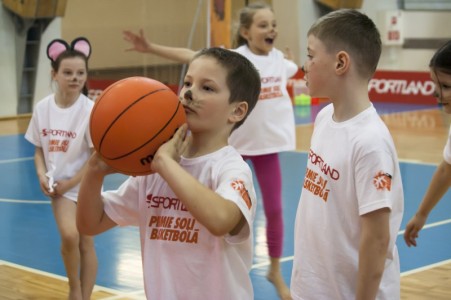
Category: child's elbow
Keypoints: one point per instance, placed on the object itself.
(226, 226)
(217, 230)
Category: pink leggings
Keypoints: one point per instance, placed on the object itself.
(267, 170)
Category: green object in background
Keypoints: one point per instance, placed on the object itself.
(302, 99)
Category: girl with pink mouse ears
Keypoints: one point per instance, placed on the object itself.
(60, 133)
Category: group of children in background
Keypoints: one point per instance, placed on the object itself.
(238, 109)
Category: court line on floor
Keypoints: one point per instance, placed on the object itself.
(14, 160)
(425, 268)
(401, 232)
(25, 201)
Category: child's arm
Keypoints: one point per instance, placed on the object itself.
(374, 241)
(288, 54)
(41, 171)
(440, 183)
(91, 217)
(141, 44)
(218, 215)
(62, 186)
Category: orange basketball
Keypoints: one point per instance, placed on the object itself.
(131, 119)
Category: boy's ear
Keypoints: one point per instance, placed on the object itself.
(342, 62)
(239, 112)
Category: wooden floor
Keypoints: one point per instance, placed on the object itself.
(18, 284)
(419, 136)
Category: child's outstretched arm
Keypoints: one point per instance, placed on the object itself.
(440, 183)
(91, 217)
(219, 215)
(141, 44)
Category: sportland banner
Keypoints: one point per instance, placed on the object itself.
(385, 86)
(402, 87)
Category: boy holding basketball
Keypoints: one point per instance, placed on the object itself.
(195, 213)
(351, 203)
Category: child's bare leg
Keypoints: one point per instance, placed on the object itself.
(275, 277)
(88, 268)
(64, 212)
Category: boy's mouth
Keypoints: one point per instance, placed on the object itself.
(188, 109)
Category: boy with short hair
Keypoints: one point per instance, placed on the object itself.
(351, 204)
(200, 246)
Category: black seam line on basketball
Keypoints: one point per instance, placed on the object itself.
(162, 128)
(123, 112)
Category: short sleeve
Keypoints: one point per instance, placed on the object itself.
(235, 184)
(374, 176)
(32, 133)
(292, 68)
(122, 205)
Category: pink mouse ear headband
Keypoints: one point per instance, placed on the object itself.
(58, 46)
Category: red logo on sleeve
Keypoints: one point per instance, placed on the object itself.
(382, 181)
(238, 185)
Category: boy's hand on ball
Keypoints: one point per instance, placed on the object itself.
(97, 164)
(172, 149)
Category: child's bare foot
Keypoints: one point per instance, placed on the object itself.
(275, 277)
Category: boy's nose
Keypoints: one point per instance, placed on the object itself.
(188, 95)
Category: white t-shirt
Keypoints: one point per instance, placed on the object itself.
(181, 258)
(63, 134)
(352, 170)
(447, 149)
(270, 127)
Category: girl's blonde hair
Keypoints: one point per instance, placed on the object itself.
(245, 19)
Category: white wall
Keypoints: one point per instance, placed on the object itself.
(288, 24)
(416, 24)
(8, 75)
(43, 85)
(307, 13)
(420, 25)
(9, 83)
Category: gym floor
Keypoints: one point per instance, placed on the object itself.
(29, 241)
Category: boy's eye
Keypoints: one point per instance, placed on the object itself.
(186, 83)
(209, 89)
